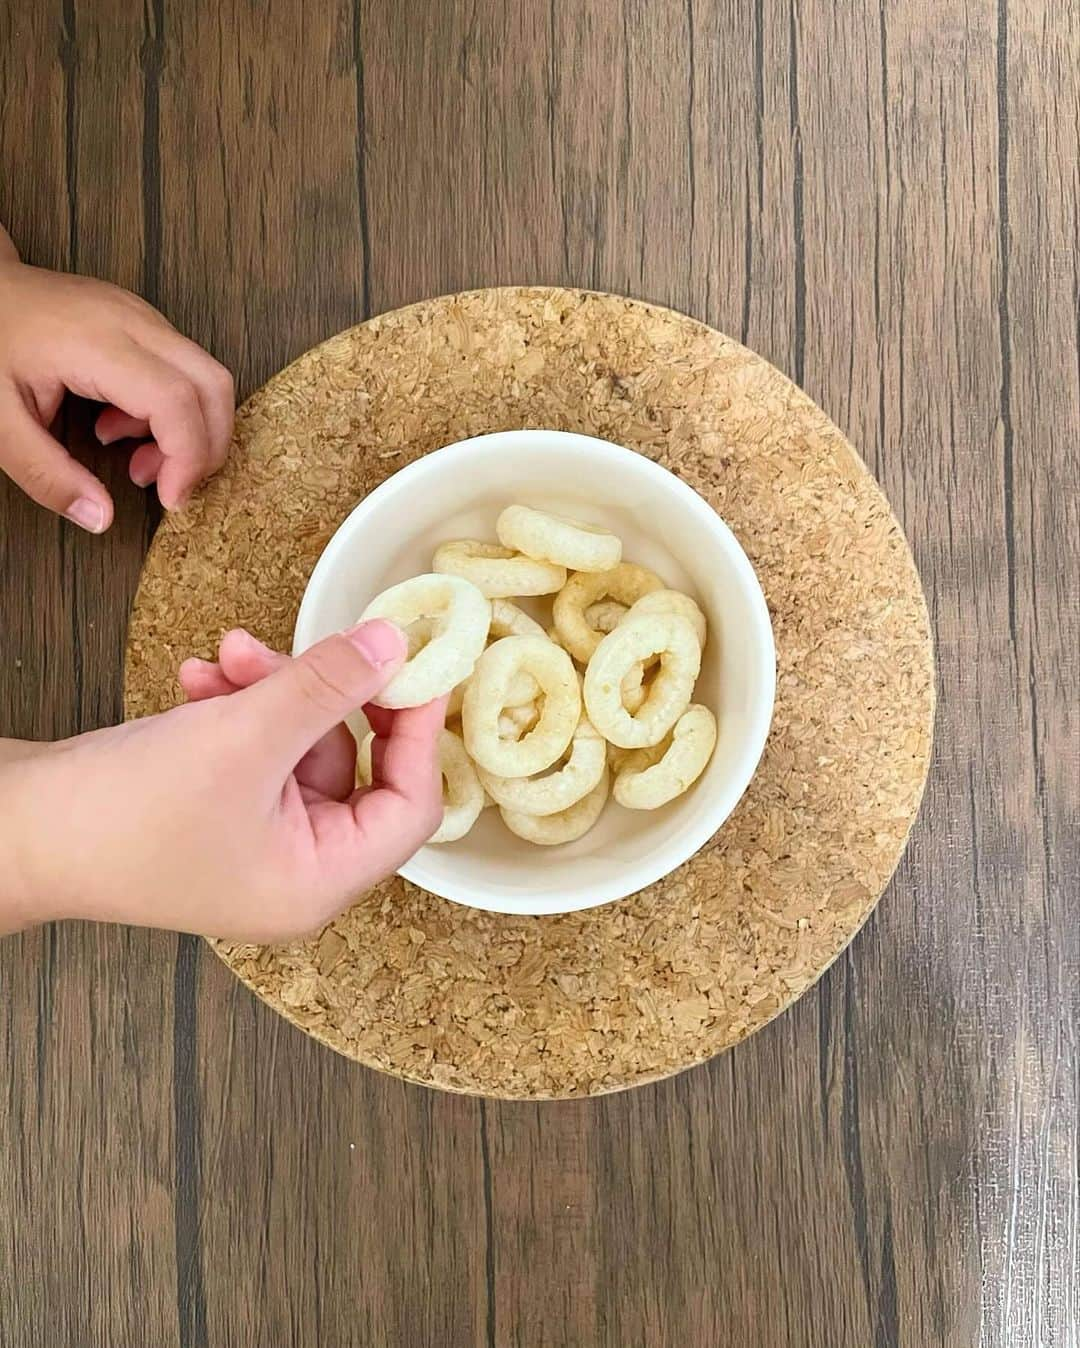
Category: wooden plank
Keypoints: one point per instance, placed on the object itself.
(1030, 1234)
(86, 1024)
(332, 1205)
(458, 135)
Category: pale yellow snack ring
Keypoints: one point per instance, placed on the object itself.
(649, 778)
(506, 620)
(553, 538)
(558, 790)
(626, 583)
(635, 641)
(460, 617)
(496, 571)
(463, 796)
(485, 701)
(550, 830)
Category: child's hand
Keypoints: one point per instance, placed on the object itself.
(235, 816)
(69, 333)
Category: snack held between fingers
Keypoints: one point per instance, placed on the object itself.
(237, 815)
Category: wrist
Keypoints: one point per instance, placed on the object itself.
(8, 251)
(24, 886)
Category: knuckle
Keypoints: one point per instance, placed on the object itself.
(39, 481)
(324, 677)
(128, 298)
(221, 381)
(177, 394)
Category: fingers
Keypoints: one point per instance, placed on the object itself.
(112, 424)
(307, 697)
(213, 386)
(403, 760)
(203, 679)
(328, 769)
(145, 464)
(212, 382)
(146, 459)
(46, 471)
(242, 660)
(151, 390)
(245, 660)
(388, 824)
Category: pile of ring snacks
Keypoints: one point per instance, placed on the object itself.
(539, 739)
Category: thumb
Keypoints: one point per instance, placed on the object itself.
(294, 707)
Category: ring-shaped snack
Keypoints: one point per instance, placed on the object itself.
(485, 700)
(554, 538)
(673, 601)
(645, 781)
(626, 583)
(557, 791)
(523, 691)
(463, 796)
(634, 642)
(549, 830)
(460, 617)
(506, 620)
(496, 571)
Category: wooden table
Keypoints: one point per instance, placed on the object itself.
(880, 196)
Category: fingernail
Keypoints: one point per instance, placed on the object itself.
(242, 635)
(380, 643)
(103, 438)
(142, 477)
(87, 514)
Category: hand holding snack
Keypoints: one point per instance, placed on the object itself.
(236, 816)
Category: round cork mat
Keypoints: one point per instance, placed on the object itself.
(616, 996)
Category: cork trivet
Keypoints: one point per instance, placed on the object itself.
(620, 995)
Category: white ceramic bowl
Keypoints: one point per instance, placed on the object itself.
(458, 492)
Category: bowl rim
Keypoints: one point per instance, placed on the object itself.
(659, 863)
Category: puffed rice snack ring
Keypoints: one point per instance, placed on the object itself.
(553, 538)
(549, 830)
(633, 643)
(626, 583)
(460, 617)
(485, 699)
(463, 796)
(649, 778)
(558, 790)
(496, 571)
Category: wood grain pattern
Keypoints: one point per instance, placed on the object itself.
(883, 198)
